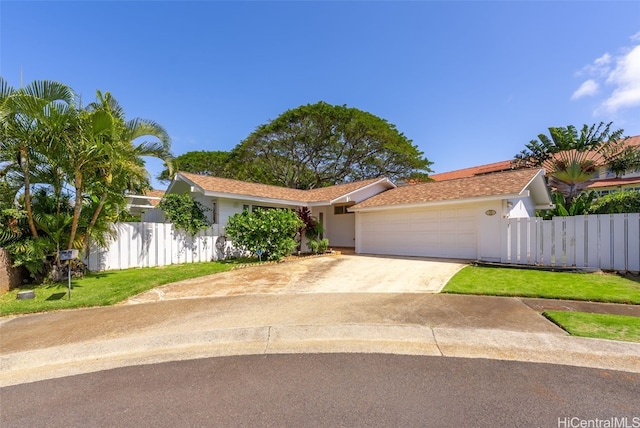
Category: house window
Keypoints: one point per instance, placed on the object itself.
(246, 207)
(342, 209)
(214, 212)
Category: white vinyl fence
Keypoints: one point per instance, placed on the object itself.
(156, 244)
(605, 241)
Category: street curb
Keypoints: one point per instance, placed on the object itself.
(80, 358)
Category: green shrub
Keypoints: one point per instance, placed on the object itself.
(627, 201)
(318, 246)
(268, 231)
(184, 212)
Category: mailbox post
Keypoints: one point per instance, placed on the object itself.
(68, 255)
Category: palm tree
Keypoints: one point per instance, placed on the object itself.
(31, 119)
(106, 149)
(571, 157)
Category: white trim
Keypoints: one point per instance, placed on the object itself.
(240, 196)
(438, 203)
(381, 181)
(140, 206)
(154, 198)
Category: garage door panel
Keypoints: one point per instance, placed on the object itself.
(433, 233)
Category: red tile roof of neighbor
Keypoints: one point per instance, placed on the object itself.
(474, 170)
(507, 165)
(498, 184)
(226, 185)
(611, 182)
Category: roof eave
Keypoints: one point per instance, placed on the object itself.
(262, 199)
(439, 203)
(538, 190)
(383, 180)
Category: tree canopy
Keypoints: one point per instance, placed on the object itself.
(215, 163)
(318, 145)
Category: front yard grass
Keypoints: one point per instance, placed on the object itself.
(600, 326)
(107, 288)
(595, 287)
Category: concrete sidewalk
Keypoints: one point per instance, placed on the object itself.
(58, 344)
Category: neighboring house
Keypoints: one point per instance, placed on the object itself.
(603, 183)
(139, 204)
(456, 218)
(606, 182)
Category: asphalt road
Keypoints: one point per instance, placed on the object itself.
(348, 390)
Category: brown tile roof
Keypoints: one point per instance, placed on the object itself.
(156, 194)
(474, 170)
(500, 183)
(225, 185)
(611, 182)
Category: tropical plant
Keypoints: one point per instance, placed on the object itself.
(184, 212)
(580, 206)
(121, 166)
(33, 119)
(571, 157)
(268, 233)
(318, 246)
(627, 201)
(309, 224)
(626, 160)
(48, 146)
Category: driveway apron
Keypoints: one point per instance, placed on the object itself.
(337, 274)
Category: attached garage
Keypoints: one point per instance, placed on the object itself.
(458, 218)
(420, 232)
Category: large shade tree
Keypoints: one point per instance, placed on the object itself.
(320, 144)
(214, 163)
(571, 157)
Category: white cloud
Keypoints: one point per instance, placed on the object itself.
(625, 80)
(599, 68)
(588, 88)
(616, 76)
(603, 60)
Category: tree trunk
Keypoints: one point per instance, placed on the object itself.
(94, 219)
(24, 164)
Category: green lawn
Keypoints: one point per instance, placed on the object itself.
(107, 288)
(595, 287)
(600, 326)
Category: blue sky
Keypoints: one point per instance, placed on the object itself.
(469, 82)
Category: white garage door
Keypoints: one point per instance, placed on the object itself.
(420, 232)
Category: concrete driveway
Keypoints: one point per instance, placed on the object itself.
(331, 274)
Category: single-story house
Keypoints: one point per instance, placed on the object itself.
(457, 218)
(225, 197)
